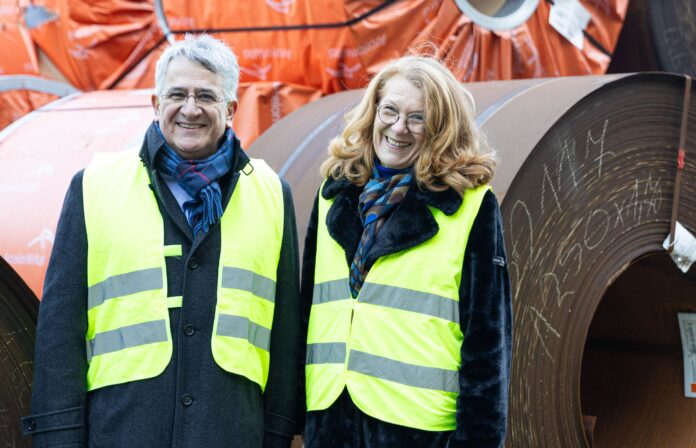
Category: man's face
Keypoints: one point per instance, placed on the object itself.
(191, 110)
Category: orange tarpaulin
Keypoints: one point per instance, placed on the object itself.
(330, 46)
(311, 43)
(263, 103)
(15, 103)
(17, 53)
(321, 46)
(89, 41)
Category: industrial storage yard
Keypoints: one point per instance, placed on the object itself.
(589, 104)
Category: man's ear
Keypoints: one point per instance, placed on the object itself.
(231, 109)
(155, 105)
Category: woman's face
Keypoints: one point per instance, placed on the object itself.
(396, 145)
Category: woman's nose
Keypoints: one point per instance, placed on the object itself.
(400, 126)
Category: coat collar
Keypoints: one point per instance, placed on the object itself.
(153, 142)
(410, 224)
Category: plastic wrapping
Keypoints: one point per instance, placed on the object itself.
(320, 46)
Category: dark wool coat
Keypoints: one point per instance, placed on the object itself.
(193, 403)
(485, 310)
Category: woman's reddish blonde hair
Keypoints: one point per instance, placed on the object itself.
(455, 153)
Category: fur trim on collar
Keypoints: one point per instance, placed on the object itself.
(410, 224)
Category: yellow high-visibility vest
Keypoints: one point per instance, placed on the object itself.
(128, 335)
(396, 347)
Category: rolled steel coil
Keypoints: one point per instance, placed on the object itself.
(657, 35)
(18, 313)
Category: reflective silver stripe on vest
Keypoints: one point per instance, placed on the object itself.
(126, 337)
(403, 373)
(245, 280)
(331, 291)
(243, 328)
(410, 300)
(123, 285)
(326, 353)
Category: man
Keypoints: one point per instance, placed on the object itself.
(170, 313)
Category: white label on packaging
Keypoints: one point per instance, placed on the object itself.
(570, 19)
(687, 328)
(684, 250)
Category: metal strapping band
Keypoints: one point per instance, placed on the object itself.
(243, 328)
(331, 291)
(410, 300)
(326, 353)
(680, 159)
(246, 280)
(126, 337)
(403, 373)
(123, 285)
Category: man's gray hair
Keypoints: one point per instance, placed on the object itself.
(211, 53)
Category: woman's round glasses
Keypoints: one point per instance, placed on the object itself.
(415, 123)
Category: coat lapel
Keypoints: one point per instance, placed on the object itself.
(343, 218)
(409, 225)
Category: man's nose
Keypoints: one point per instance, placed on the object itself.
(190, 106)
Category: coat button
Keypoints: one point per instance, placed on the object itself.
(193, 264)
(186, 399)
(31, 425)
(189, 330)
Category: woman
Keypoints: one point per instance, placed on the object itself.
(405, 287)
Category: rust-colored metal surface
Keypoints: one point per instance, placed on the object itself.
(657, 35)
(633, 368)
(296, 146)
(586, 183)
(19, 309)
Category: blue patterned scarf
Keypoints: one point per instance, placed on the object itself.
(382, 193)
(199, 178)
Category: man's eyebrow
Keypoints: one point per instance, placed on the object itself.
(197, 90)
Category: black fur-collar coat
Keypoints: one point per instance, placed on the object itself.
(485, 310)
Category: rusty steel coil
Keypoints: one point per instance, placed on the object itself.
(657, 35)
(19, 309)
(586, 187)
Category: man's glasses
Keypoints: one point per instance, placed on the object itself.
(203, 98)
(388, 115)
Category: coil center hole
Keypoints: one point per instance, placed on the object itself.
(498, 14)
(632, 385)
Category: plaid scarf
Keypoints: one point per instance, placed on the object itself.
(199, 178)
(378, 199)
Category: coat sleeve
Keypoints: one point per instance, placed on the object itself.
(59, 389)
(281, 394)
(485, 310)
